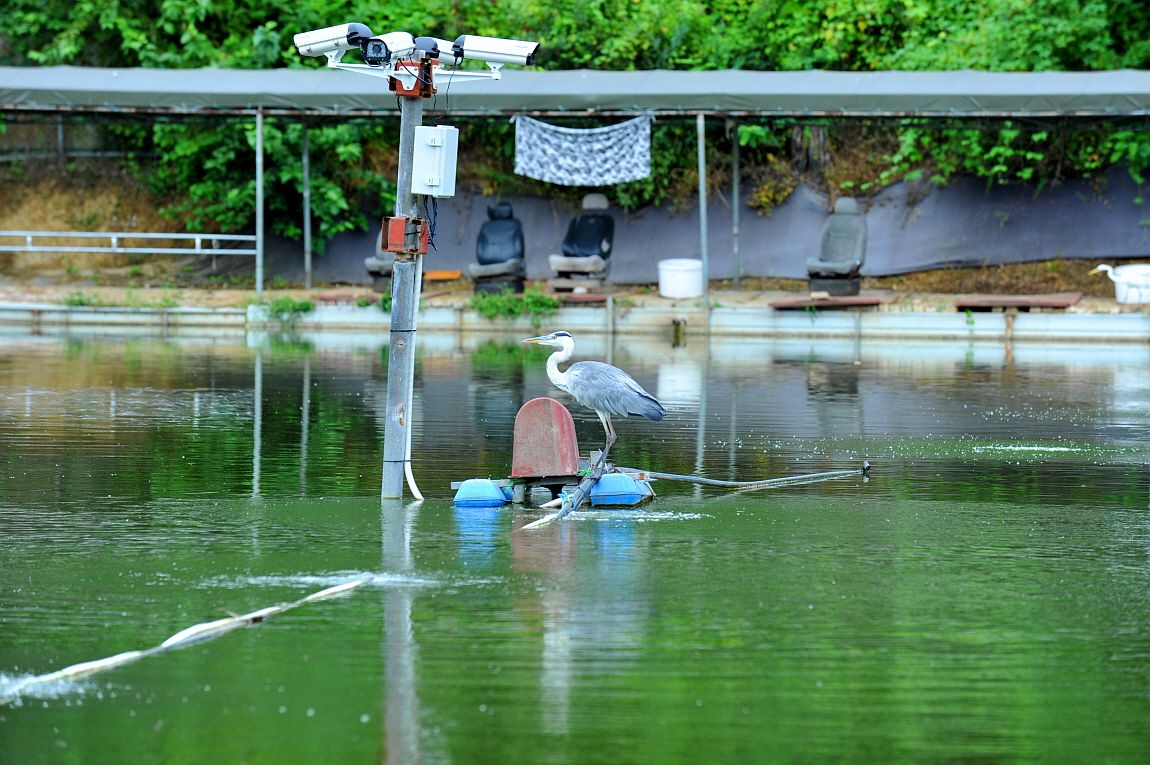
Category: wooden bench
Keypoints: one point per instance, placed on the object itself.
(1022, 303)
(830, 302)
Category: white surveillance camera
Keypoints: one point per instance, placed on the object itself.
(427, 46)
(337, 39)
(433, 47)
(447, 51)
(374, 51)
(379, 50)
(496, 50)
(382, 49)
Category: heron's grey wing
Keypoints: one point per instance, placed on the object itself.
(609, 389)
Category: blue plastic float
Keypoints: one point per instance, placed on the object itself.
(612, 490)
(620, 490)
(481, 492)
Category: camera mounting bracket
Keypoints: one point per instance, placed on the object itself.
(408, 78)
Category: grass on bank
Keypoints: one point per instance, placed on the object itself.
(1006, 279)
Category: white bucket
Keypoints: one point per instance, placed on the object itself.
(1132, 283)
(681, 278)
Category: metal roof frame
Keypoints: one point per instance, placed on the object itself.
(1082, 99)
(816, 94)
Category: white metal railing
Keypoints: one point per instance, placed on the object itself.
(201, 244)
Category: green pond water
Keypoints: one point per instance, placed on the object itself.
(983, 598)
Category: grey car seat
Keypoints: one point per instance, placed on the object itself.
(842, 251)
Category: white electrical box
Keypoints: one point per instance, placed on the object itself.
(433, 165)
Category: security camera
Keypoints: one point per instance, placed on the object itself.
(379, 50)
(496, 50)
(337, 39)
(433, 47)
(374, 51)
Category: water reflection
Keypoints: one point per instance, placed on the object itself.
(736, 411)
(1011, 493)
(401, 704)
(553, 554)
(257, 420)
(305, 423)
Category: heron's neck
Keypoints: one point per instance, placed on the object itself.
(557, 378)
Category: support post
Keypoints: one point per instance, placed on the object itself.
(259, 204)
(404, 305)
(700, 129)
(306, 161)
(61, 146)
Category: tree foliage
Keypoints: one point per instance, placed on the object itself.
(205, 169)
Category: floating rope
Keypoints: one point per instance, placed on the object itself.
(194, 634)
(568, 503)
(765, 483)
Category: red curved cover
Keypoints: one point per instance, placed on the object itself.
(545, 442)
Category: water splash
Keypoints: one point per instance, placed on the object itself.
(17, 688)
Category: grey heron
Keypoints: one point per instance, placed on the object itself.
(606, 389)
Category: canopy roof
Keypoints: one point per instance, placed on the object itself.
(319, 91)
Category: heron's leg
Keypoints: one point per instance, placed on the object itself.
(609, 430)
(610, 439)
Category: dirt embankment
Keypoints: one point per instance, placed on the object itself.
(82, 198)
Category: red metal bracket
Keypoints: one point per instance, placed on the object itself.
(396, 229)
(424, 86)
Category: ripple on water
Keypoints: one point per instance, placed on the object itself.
(635, 516)
(371, 579)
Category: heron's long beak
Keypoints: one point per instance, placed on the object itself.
(537, 340)
(1095, 270)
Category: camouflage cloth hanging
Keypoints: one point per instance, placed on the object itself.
(583, 157)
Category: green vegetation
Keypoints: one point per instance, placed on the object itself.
(1008, 35)
(288, 309)
(165, 302)
(534, 303)
(81, 299)
(202, 168)
(501, 358)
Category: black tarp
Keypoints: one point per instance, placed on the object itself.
(912, 227)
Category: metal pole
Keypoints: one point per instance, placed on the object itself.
(306, 211)
(61, 150)
(260, 205)
(700, 129)
(404, 299)
(736, 204)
